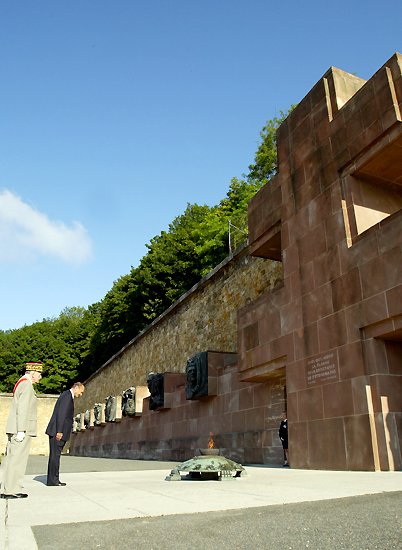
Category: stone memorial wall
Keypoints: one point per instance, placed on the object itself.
(333, 213)
(204, 318)
(307, 319)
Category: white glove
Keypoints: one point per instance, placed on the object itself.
(20, 436)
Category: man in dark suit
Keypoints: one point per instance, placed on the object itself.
(59, 430)
(283, 436)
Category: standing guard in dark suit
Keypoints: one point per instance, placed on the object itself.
(283, 436)
(59, 430)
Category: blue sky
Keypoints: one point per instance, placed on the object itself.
(116, 114)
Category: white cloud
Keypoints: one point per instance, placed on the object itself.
(26, 233)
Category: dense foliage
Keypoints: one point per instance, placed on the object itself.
(61, 343)
(80, 340)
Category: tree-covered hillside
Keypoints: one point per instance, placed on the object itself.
(80, 340)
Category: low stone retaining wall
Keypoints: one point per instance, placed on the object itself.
(40, 444)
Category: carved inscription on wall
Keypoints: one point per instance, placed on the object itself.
(322, 369)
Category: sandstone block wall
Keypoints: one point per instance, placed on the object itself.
(333, 213)
(205, 318)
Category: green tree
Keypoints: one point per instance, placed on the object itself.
(80, 340)
(60, 343)
(265, 161)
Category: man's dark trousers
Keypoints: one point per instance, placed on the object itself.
(53, 467)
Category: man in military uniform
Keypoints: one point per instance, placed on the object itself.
(21, 427)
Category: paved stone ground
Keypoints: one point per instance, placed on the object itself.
(269, 508)
(37, 464)
(367, 522)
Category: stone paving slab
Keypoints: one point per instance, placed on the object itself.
(92, 496)
(369, 522)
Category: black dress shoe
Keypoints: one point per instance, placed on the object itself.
(16, 495)
(62, 484)
(58, 484)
